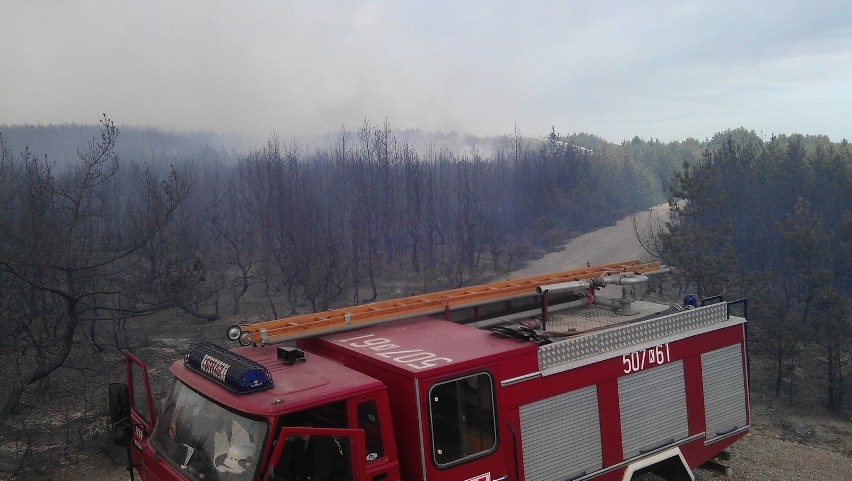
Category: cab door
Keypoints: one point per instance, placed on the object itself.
(349, 443)
(371, 414)
(462, 429)
(142, 414)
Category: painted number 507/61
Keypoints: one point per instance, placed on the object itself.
(653, 356)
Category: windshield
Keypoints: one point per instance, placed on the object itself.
(205, 441)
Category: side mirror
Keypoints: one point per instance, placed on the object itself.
(119, 413)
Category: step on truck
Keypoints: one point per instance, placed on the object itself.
(541, 378)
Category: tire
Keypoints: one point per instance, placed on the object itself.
(647, 477)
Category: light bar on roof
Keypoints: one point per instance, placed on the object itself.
(229, 369)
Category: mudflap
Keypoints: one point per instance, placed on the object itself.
(721, 463)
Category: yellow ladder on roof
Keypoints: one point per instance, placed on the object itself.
(336, 320)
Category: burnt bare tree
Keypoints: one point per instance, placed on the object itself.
(368, 208)
(72, 253)
(414, 178)
(229, 213)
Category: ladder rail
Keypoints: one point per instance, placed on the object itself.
(341, 319)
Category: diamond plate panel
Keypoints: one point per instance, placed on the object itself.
(598, 343)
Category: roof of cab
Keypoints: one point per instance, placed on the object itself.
(424, 345)
(295, 386)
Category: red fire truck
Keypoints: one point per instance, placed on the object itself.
(541, 378)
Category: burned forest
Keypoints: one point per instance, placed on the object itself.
(113, 238)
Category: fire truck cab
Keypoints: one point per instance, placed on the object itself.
(610, 389)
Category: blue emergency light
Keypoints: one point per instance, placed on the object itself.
(227, 368)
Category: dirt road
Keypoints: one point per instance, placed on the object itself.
(610, 244)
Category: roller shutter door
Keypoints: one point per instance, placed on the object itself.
(653, 408)
(724, 391)
(560, 436)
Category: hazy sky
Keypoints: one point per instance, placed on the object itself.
(667, 70)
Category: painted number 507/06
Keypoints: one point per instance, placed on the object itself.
(653, 356)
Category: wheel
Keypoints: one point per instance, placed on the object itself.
(647, 477)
